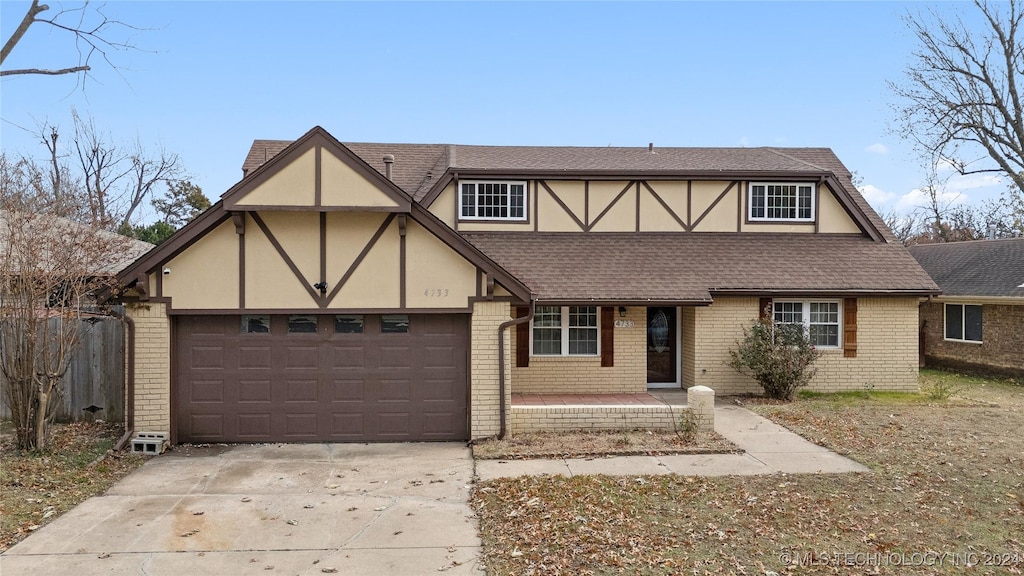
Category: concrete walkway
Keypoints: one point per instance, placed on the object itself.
(768, 449)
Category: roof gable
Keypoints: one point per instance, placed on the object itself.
(316, 172)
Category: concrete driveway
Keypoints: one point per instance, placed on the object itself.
(271, 509)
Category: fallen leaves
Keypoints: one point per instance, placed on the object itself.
(927, 493)
(36, 488)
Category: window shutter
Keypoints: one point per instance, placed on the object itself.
(763, 310)
(522, 338)
(607, 336)
(850, 327)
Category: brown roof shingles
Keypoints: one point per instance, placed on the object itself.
(976, 268)
(694, 267)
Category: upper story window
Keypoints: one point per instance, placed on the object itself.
(781, 202)
(492, 200)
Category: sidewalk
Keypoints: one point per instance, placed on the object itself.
(768, 448)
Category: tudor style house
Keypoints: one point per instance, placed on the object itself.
(387, 292)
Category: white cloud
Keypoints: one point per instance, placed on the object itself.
(875, 196)
(878, 148)
(917, 199)
(973, 182)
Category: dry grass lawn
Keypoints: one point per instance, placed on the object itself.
(946, 490)
(36, 488)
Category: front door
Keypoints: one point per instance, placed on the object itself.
(661, 345)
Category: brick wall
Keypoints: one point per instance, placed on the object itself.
(1001, 350)
(565, 418)
(484, 398)
(584, 375)
(886, 354)
(152, 367)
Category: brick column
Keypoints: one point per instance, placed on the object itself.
(701, 400)
(484, 400)
(152, 366)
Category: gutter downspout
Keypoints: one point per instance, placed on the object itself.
(502, 409)
(129, 409)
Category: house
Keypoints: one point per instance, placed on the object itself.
(374, 292)
(60, 265)
(975, 325)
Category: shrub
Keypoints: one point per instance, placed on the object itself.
(779, 357)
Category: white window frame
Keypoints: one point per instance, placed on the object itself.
(765, 218)
(805, 313)
(564, 330)
(963, 322)
(476, 200)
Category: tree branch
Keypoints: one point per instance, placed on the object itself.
(27, 21)
(72, 70)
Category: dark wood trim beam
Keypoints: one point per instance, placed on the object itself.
(609, 206)
(401, 260)
(238, 219)
(586, 204)
(713, 204)
(689, 205)
(241, 270)
(740, 212)
(318, 177)
(287, 259)
(637, 206)
(559, 201)
(359, 259)
(666, 207)
(323, 247)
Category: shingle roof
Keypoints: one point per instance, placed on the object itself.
(105, 252)
(976, 268)
(694, 266)
(418, 167)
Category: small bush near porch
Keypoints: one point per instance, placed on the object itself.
(946, 487)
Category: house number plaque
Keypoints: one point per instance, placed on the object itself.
(623, 323)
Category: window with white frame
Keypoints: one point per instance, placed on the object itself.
(821, 319)
(565, 331)
(963, 322)
(492, 200)
(774, 202)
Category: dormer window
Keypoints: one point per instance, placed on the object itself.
(781, 202)
(492, 200)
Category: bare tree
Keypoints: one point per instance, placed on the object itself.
(959, 100)
(118, 179)
(903, 226)
(49, 269)
(91, 33)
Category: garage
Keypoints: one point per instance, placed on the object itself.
(321, 378)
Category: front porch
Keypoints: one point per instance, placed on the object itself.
(653, 410)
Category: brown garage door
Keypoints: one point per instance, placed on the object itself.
(353, 378)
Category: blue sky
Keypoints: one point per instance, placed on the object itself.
(209, 77)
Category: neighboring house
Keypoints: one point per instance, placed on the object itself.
(366, 292)
(95, 375)
(976, 324)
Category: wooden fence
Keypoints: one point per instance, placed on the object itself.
(95, 376)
